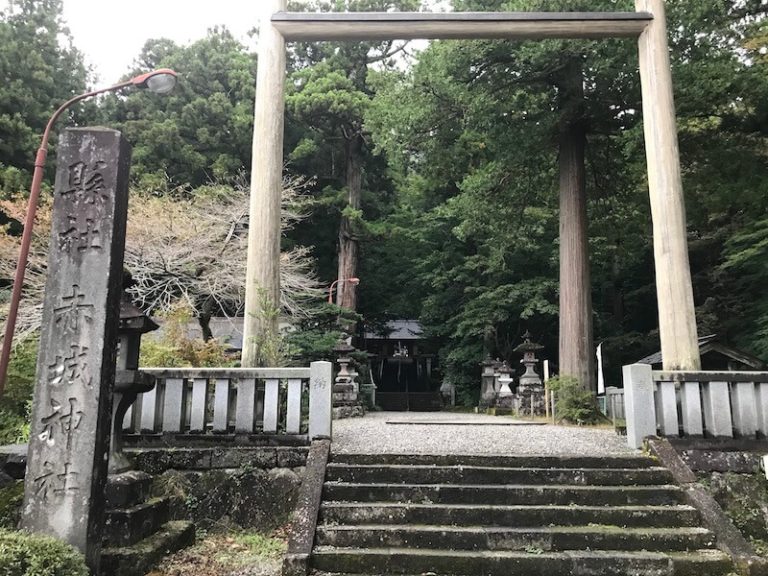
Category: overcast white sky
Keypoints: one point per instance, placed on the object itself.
(111, 32)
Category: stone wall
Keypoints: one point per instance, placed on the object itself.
(227, 487)
(214, 487)
(730, 471)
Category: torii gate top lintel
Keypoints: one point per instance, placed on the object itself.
(308, 26)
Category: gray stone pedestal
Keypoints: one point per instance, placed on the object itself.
(531, 396)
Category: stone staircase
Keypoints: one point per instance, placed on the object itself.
(506, 516)
(137, 530)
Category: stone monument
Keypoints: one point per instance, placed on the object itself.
(530, 388)
(69, 438)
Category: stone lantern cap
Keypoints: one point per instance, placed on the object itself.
(528, 346)
(133, 320)
(504, 368)
(343, 348)
(488, 361)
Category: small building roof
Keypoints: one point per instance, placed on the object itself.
(713, 344)
(397, 330)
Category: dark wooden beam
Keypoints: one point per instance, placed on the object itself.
(458, 25)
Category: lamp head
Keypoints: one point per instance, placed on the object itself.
(160, 81)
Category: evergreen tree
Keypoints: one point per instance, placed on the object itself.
(41, 69)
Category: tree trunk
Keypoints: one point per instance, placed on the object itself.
(349, 249)
(204, 319)
(576, 347)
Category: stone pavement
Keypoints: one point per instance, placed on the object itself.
(461, 433)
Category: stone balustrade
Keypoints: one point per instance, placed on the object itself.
(241, 401)
(696, 404)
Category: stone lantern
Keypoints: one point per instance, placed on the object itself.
(505, 399)
(496, 375)
(346, 402)
(129, 381)
(530, 388)
(488, 383)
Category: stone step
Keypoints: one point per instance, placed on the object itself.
(127, 489)
(547, 539)
(497, 461)
(139, 558)
(531, 563)
(424, 474)
(356, 513)
(126, 526)
(552, 494)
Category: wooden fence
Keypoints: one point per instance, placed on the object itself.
(194, 401)
(712, 404)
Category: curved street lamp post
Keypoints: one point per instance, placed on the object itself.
(353, 281)
(160, 81)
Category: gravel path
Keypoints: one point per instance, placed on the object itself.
(452, 433)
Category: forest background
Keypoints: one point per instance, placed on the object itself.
(438, 166)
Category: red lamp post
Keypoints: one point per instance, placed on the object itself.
(353, 281)
(160, 81)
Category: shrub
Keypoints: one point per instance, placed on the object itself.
(16, 401)
(11, 498)
(14, 428)
(176, 349)
(20, 383)
(573, 403)
(24, 554)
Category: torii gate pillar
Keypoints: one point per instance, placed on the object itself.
(677, 316)
(262, 291)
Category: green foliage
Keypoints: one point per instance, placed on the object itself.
(23, 554)
(574, 404)
(16, 403)
(255, 546)
(11, 498)
(40, 69)
(470, 135)
(20, 383)
(202, 131)
(176, 349)
(314, 338)
(14, 427)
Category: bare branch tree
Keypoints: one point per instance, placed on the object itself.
(31, 307)
(190, 249)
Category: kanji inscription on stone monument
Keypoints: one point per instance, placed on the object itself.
(69, 440)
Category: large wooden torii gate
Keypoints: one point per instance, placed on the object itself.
(677, 320)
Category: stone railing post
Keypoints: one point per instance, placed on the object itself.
(639, 403)
(320, 399)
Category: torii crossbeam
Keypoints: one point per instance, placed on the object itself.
(458, 25)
